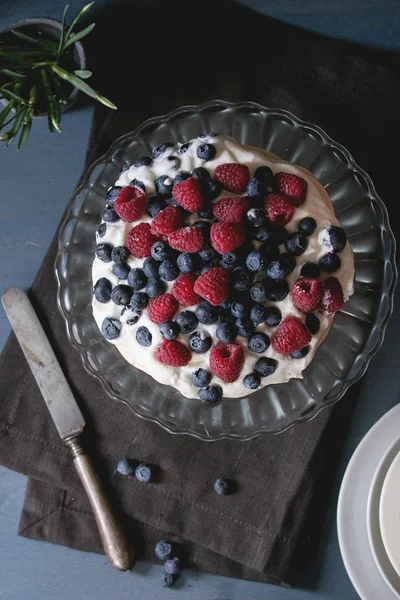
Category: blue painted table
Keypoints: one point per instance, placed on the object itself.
(35, 186)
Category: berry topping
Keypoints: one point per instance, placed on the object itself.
(256, 261)
(143, 161)
(183, 290)
(277, 290)
(173, 353)
(211, 394)
(245, 326)
(143, 473)
(188, 263)
(292, 186)
(109, 215)
(211, 189)
(150, 267)
(273, 316)
(130, 203)
(252, 381)
(200, 342)
(170, 330)
(259, 343)
(162, 308)
(213, 285)
(158, 150)
(103, 252)
(224, 486)
(139, 301)
(337, 238)
(160, 251)
(111, 328)
(112, 194)
(206, 313)
(258, 292)
(307, 226)
(168, 270)
(264, 174)
(290, 336)
(233, 177)
(102, 290)
(206, 151)
(208, 254)
(184, 148)
(300, 353)
(181, 177)
(332, 296)
(187, 321)
(164, 186)
(121, 295)
(189, 194)
(255, 216)
(241, 279)
(140, 240)
(265, 366)
(306, 293)
(256, 189)
(138, 183)
(125, 466)
(312, 323)
(296, 244)
(121, 271)
(229, 260)
(226, 361)
(201, 378)
(154, 205)
(168, 220)
(188, 239)
(172, 566)
(278, 209)
(310, 269)
(231, 210)
(143, 336)
(225, 237)
(155, 287)
(330, 262)
(227, 332)
(258, 314)
(119, 254)
(162, 550)
(200, 173)
(277, 269)
(102, 230)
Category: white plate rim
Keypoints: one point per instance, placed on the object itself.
(389, 511)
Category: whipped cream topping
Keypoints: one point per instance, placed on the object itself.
(317, 205)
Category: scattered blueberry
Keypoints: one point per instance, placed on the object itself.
(307, 226)
(154, 205)
(121, 271)
(229, 260)
(245, 326)
(207, 253)
(273, 316)
(264, 174)
(337, 238)
(143, 473)
(240, 305)
(176, 162)
(119, 254)
(330, 262)
(138, 183)
(169, 580)
(256, 189)
(205, 227)
(160, 251)
(103, 252)
(258, 314)
(258, 292)
(168, 270)
(150, 267)
(101, 231)
(256, 262)
(206, 212)
(112, 194)
(139, 300)
(224, 486)
(162, 550)
(102, 290)
(255, 216)
(170, 330)
(158, 150)
(259, 343)
(124, 168)
(207, 313)
(137, 279)
(242, 279)
(172, 566)
(111, 328)
(300, 353)
(182, 176)
(277, 270)
(200, 341)
(252, 381)
(265, 366)
(143, 336)
(200, 173)
(184, 148)
(312, 323)
(262, 233)
(164, 186)
(188, 263)
(155, 287)
(187, 321)
(143, 161)
(206, 151)
(310, 269)
(201, 378)
(277, 290)
(211, 394)
(125, 466)
(211, 188)
(109, 215)
(121, 295)
(296, 243)
(227, 332)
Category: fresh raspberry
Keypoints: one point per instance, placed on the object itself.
(225, 237)
(184, 292)
(173, 353)
(213, 285)
(168, 220)
(130, 203)
(278, 209)
(140, 240)
(162, 308)
(188, 239)
(292, 186)
(226, 361)
(332, 296)
(290, 336)
(189, 194)
(306, 293)
(233, 177)
(231, 210)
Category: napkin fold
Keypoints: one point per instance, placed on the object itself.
(152, 57)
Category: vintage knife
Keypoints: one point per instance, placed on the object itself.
(67, 418)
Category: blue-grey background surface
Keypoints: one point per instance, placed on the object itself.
(35, 185)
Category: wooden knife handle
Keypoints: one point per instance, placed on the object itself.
(115, 543)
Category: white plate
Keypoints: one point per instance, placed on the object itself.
(389, 513)
(352, 506)
(373, 525)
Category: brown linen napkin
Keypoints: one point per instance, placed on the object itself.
(257, 533)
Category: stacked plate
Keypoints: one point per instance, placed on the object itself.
(369, 512)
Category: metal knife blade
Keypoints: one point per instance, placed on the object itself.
(47, 372)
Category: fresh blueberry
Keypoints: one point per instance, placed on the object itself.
(184, 148)
(225, 316)
(143, 336)
(187, 321)
(296, 243)
(182, 176)
(269, 252)
(150, 267)
(258, 292)
(300, 353)
(176, 162)
(200, 173)
(277, 290)
(230, 260)
(168, 270)
(206, 211)
(137, 279)
(330, 262)
(206, 313)
(101, 231)
(139, 300)
(200, 341)
(162, 550)
(119, 254)
(161, 251)
(143, 473)
(255, 216)
(173, 202)
(242, 279)
(245, 326)
(125, 167)
(273, 316)
(224, 486)
(337, 238)
(225, 304)
(258, 314)
(252, 381)
(310, 269)
(307, 226)
(264, 174)
(240, 305)
(289, 261)
(102, 290)
(255, 262)
(205, 227)
(138, 183)
(121, 295)
(227, 332)
(256, 189)
(169, 580)
(211, 394)
(164, 186)
(265, 366)
(207, 253)
(121, 271)
(211, 188)
(262, 233)
(259, 343)
(125, 466)
(131, 316)
(155, 287)
(208, 134)
(112, 194)
(103, 252)
(154, 205)
(188, 263)
(170, 330)
(206, 151)
(207, 267)
(172, 566)
(277, 270)
(312, 323)
(111, 328)
(158, 150)
(109, 215)
(143, 161)
(200, 378)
